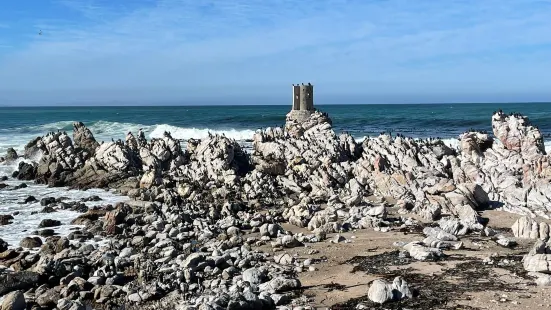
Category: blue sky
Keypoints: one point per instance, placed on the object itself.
(251, 51)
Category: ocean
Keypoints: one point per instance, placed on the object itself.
(447, 121)
(18, 125)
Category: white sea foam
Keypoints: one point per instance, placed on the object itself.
(105, 131)
(24, 223)
(200, 133)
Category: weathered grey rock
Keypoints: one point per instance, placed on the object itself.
(83, 138)
(420, 252)
(254, 276)
(284, 259)
(66, 304)
(11, 155)
(14, 301)
(280, 284)
(380, 292)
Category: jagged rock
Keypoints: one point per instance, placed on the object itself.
(25, 171)
(11, 155)
(84, 138)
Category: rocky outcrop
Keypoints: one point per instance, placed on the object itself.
(527, 228)
(84, 139)
(514, 170)
(216, 159)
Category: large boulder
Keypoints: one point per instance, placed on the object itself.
(14, 301)
(26, 171)
(21, 280)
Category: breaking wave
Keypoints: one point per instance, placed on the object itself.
(105, 131)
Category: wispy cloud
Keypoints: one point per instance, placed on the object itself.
(185, 46)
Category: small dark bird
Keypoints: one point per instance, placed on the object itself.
(40, 33)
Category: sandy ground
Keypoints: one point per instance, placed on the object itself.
(332, 268)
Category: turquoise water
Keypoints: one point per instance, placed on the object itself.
(19, 125)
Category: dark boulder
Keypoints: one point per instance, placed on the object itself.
(49, 223)
(3, 246)
(26, 171)
(30, 242)
(5, 219)
(22, 185)
(46, 201)
(30, 199)
(21, 280)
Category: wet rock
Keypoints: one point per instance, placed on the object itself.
(30, 199)
(3, 245)
(25, 171)
(30, 242)
(48, 209)
(49, 223)
(46, 201)
(20, 186)
(45, 232)
(5, 219)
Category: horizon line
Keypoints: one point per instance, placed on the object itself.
(258, 105)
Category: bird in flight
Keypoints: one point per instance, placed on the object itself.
(40, 33)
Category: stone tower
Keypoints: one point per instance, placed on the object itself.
(303, 97)
(303, 102)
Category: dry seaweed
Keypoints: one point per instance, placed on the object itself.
(437, 291)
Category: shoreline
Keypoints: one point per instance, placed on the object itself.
(203, 220)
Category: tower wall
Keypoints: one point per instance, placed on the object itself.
(296, 97)
(303, 97)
